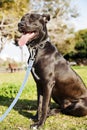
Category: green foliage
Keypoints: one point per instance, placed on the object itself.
(81, 40)
(80, 46)
(9, 90)
(3, 2)
(80, 49)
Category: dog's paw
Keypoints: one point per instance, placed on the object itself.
(34, 127)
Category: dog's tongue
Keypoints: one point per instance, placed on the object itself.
(25, 38)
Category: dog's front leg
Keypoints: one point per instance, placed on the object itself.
(46, 99)
(39, 101)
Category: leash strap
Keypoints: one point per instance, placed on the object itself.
(31, 61)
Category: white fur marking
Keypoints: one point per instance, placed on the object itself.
(36, 76)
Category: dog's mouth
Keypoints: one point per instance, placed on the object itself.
(27, 37)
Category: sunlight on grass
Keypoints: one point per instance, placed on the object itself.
(20, 117)
(82, 71)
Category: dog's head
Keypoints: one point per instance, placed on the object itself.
(33, 27)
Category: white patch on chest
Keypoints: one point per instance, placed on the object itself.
(36, 76)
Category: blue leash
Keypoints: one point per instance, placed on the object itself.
(20, 91)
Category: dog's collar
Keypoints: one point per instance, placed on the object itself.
(43, 43)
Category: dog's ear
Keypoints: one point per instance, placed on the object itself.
(46, 17)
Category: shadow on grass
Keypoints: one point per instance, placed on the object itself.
(24, 107)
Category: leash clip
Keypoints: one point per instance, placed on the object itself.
(32, 54)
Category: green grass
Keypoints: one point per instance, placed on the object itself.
(20, 117)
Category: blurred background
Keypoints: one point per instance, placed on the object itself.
(67, 29)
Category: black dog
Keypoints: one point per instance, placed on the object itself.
(52, 73)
